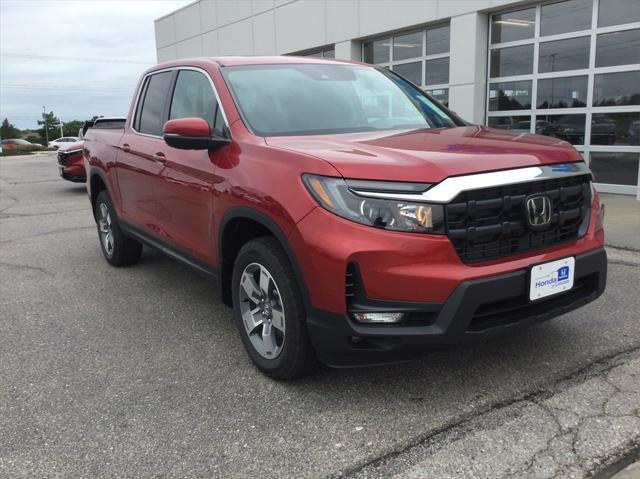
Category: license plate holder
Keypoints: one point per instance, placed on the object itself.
(553, 277)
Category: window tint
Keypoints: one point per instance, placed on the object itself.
(377, 51)
(521, 124)
(512, 61)
(613, 89)
(193, 96)
(569, 128)
(515, 95)
(508, 27)
(152, 115)
(616, 12)
(407, 46)
(564, 17)
(618, 48)
(570, 54)
(438, 40)
(562, 92)
(436, 71)
(411, 71)
(219, 125)
(615, 168)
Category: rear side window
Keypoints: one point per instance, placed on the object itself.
(151, 117)
(193, 96)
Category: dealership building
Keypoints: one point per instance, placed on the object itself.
(569, 69)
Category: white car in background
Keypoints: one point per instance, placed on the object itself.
(64, 141)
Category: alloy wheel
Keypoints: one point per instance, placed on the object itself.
(105, 228)
(262, 311)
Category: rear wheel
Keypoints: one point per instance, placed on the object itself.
(269, 311)
(118, 249)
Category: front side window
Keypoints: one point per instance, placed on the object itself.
(152, 105)
(193, 96)
(311, 99)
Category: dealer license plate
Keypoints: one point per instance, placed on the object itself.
(551, 278)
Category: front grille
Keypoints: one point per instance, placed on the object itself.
(64, 156)
(491, 223)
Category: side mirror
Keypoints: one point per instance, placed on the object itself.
(191, 134)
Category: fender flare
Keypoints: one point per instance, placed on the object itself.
(272, 226)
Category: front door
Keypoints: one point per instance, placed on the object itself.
(185, 190)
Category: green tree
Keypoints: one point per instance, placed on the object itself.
(50, 127)
(71, 128)
(8, 130)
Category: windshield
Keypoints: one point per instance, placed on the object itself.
(313, 99)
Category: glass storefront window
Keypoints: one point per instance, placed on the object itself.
(564, 17)
(440, 94)
(568, 92)
(437, 71)
(508, 27)
(521, 124)
(512, 61)
(615, 168)
(561, 55)
(618, 48)
(410, 71)
(617, 12)
(407, 46)
(377, 51)
(409, 53)
(616, 89)
(573, 76)
(569, 128)
(514, 95)
(438, 40)
(615, 128)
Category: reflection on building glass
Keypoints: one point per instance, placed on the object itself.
(615, 167)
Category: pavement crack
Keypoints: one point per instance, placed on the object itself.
(25, 266)
(598, 368)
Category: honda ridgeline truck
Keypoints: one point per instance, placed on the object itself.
(350, 218)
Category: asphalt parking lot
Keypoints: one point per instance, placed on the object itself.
(139, 372)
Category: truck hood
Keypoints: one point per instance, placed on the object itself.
(429, 155)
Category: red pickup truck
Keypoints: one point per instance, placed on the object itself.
(350, 218)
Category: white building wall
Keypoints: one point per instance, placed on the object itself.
(277, 27)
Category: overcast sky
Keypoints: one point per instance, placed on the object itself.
(78, 58)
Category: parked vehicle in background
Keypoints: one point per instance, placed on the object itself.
(349, 217)
(64, 141)
(71, 163)
(70, 157)
(12, 144)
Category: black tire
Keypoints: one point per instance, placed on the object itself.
(124, 251)
(297, 357)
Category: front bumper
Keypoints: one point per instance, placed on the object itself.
(476, 309)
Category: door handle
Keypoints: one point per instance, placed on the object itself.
(160, 157)
(125, 147)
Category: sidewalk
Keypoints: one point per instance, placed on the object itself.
(621, 221)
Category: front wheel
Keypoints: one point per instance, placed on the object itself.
(118, 249)
(269, 311)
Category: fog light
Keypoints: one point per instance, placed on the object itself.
(378, 317)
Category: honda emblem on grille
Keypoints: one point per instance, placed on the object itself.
(538, 211)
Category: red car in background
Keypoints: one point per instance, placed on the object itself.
(71, 164)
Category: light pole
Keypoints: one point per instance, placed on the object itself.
(46, 127)
(61, 134)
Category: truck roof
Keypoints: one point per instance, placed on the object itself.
(250, 60)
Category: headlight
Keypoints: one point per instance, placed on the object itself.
(335, 195)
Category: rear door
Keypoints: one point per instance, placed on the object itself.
(185, 192)
(140, 159)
